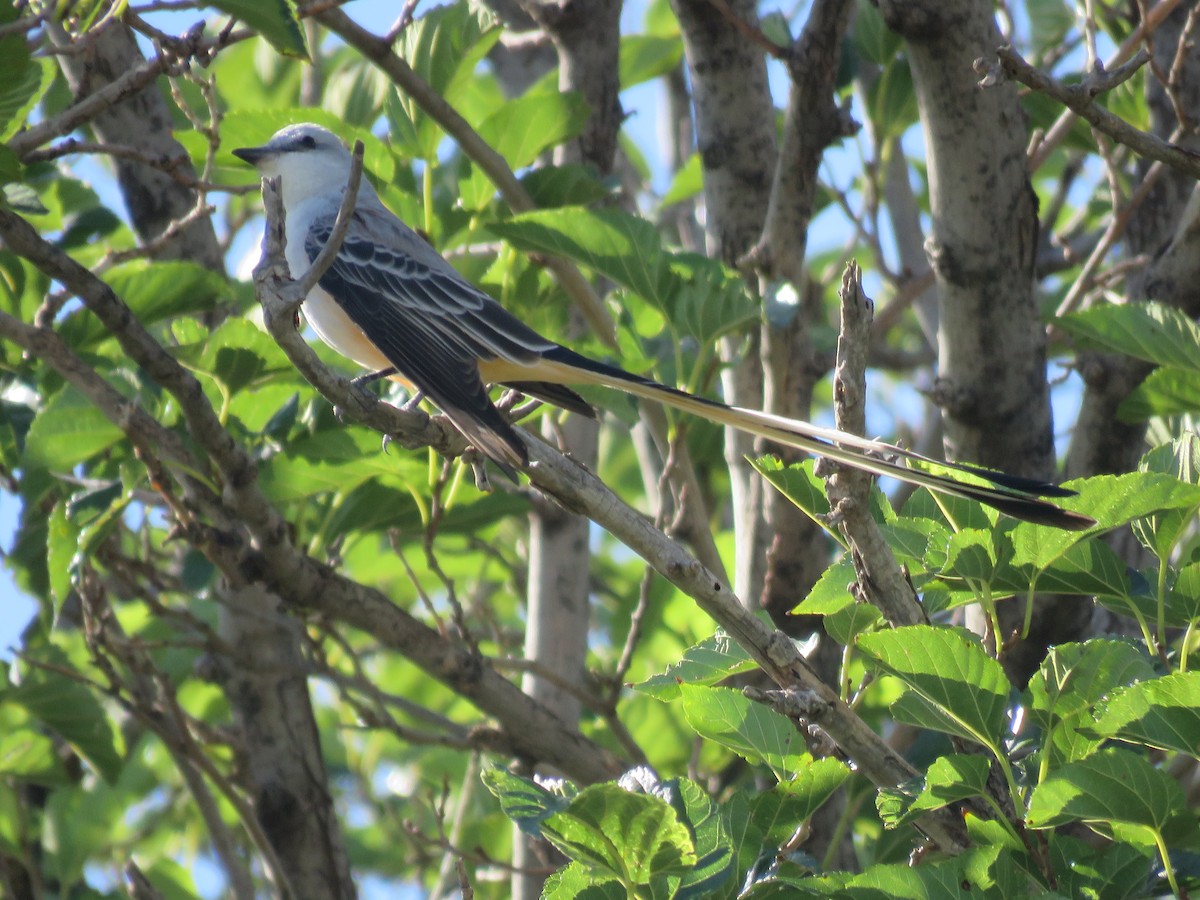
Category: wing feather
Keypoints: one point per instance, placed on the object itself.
(432, 324)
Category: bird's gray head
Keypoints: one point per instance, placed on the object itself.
(308, 158)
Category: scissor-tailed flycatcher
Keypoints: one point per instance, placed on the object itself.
(391, 303)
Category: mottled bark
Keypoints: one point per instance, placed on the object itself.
(991, 348)
(142, 120)
(735, 137)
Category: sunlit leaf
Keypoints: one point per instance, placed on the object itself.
(275, 20)
(713, 659)
(1157, 712)
(950, 672)
(1151, 331)
(637, 837)
(1112, 786)
(747, 728)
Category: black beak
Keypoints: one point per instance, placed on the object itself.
(252, 155)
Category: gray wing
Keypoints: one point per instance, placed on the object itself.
(432, 324)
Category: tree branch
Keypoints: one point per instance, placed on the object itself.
(269, 555)
(1080, 99)
(880, 578)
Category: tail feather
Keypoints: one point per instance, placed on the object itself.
(1010, 494)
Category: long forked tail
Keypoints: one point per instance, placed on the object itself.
(1010, 494)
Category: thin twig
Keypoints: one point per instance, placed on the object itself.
(341, 225)
(1062, 126)
(1082, 99)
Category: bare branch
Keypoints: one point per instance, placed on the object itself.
(1080, 98)
(341, 225)
(254, 537)
(880, 578)
(1062, 126)
(88, 108)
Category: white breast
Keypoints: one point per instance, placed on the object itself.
(321, 311)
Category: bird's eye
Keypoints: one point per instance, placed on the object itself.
(308, 142)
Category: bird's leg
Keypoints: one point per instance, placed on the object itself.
(372, 377)
(361, 382)
(414, 401)
(478, 463)
(510, 402)
(509, 399)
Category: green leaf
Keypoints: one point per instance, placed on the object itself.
(275, 20)
(714, 850)
(1087, 568)
(947, 669)
(777, 813)
(635, 837)
(1074, 677)
(576, 881)
(20, 94)
(687, 182)
(15, 66)
(67, 431)
(523, 128)
(1151, 331)
(950, 779)
(1062, 695)
(747, 728)
(61, 541)
(798, 482)
(1178, 459)
(713, 659)
(356, 89)
(873, 38)
(831, 593)
(972, 555)
(68, 708)
(524, 801)
(644, 57)
(31, 757)
(622, 247)
(746, 839)
(10, 170)
(519, 131)
(851, 620)
(444, 47)
(338, 462)
(892, 99)
(1160, 712)
(945, 880)
(706, 300)
(235, 356)
(1164, 392)
(1112, 872)
(568, 185)
(154, 291)
(1110, 787)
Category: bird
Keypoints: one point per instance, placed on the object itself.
(390, 303)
